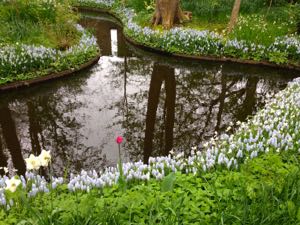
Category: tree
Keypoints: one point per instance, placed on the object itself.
(168, 12)
(234, 15)
(160, 73)
(9, 133)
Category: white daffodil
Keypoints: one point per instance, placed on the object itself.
(45, 158)
(32, 163)
(12, 184)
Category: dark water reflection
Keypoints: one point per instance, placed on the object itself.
(156, 103)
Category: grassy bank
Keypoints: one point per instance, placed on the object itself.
(277, 42)
(41, 37)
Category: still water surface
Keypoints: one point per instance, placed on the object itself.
(157, 103)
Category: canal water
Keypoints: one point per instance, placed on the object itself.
(156, 103)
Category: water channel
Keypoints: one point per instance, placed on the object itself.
(155, 102)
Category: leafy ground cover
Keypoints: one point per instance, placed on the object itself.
(40, 37)
(249, 177)
(277, 41)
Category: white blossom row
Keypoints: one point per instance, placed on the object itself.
(21, 58)
(190, 41)
(106, 3)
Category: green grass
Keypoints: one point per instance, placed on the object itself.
(255, 18)
(265, 190)
(38, 22)
(34, 36)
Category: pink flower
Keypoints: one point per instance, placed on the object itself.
(119, 139)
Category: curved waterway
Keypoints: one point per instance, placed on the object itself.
(156, 103)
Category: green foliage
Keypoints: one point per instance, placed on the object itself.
(68, 62)
(47, 23)
(218, 10)
(265, 190)
(276, 27)
(278, 57)
(34, 36)
(168, 182)
(141, 5)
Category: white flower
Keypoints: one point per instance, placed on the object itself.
(12, 184)
(228, 129)
(44, 158)
(32, 163)
(5, 169)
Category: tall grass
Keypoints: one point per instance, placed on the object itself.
(48, 23)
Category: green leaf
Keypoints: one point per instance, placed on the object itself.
(168, 183)
(298, 215)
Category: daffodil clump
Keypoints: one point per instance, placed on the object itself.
(32, 183)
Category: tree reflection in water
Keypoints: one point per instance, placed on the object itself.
(207, 101)
(157, 103)
(160, 74)
(46, 119)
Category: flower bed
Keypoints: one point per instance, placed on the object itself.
(40, 38)
(180, 40)
(21, 62)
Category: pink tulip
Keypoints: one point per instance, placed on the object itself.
(119, 140)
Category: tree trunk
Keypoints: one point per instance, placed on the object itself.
(159, 75)
(168, 12)
(34, 128)
(3, 159)
(234, 15)
(11, 139)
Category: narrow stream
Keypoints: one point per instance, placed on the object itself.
(156, 103)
